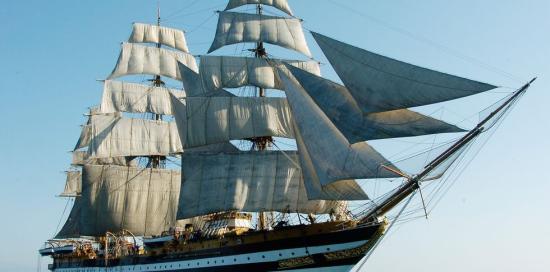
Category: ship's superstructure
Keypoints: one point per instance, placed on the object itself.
(227, 208)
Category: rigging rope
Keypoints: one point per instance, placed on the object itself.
(428, 41)
(364, 260)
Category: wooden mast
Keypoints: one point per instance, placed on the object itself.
(413, 183)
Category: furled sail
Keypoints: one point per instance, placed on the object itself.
(353, 119)
(219, 72)
(383, 84)
(146, 33)
(123, 137)
(137, 59)
(243, 27)
(81, 158)
(279, 4)
(193, 85)
(121, 96)
(208, 120)
(245, 181)
(73, 185)
(331, 158)
(143, 201)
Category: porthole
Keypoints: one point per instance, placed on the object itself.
(280, 255)
(248, 258)
(263, 256)
(328, 248)
(292, 253)
(235, 260)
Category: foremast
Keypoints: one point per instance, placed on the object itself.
(414, 183)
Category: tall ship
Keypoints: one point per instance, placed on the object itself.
(252, 163)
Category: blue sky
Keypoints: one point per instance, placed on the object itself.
(496, 215)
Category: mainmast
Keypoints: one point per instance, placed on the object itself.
(157, 161)
(413, 183)
(261, 142)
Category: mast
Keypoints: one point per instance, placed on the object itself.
(413, 183)
(157, 161)
(261, 142)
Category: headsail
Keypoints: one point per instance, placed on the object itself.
(383, 84)
(137, 59)
(146, 33)
(330, 158)
(121, 96)
(219, 72)
(242, 27)
(279, 4)
(245, 181)
(354, 121)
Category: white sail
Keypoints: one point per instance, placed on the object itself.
(84, 139)
(137, 59)
(123, 137)
(353, 119)
(81, 158)
(383, 84)
(121, 96)
(146, 33)
(245, 181)
(219, 72)
(73, 184)
(243, 27)
(279, 4)
(193, 84)
(143, 201)
(328, 158)
(208, 120)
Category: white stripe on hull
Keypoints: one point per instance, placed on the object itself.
(241, 259)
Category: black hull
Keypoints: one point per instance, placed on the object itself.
(341, 249)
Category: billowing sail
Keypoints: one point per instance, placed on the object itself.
(73, 184)
(353, 119)
(383, 84)
(193, 85)
(71, 228)
(146, 33)
(245, 181)
(219, 72)
(243, 27)
(143, 201)
(124, 137)
(279, 4)
(121, 96)
(81, 158)
(84, 139)
(137, 59)
(208, 120)
(330, 158)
